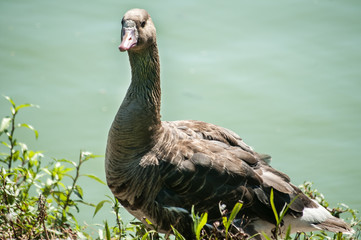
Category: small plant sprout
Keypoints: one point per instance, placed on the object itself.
(198, 223)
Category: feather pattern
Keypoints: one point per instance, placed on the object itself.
(160, 169)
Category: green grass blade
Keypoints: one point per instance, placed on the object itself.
(273, 206)
(107, 231)
(284, 210)
(202, 222)
(177, 234)
(227, 223)
(265, 236)
(234, 212)
(145, 236)
(288, 233)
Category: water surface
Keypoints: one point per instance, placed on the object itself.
(285, 75)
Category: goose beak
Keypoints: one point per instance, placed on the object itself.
(129, 39)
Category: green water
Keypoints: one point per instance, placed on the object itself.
(285, 75)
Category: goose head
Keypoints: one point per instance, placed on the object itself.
(138, 31)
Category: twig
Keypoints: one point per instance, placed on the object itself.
(11, 137)
(67, 201)
(116, 210)
(42, 215)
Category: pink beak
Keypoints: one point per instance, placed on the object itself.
(129, 39)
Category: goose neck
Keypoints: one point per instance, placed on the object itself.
(137, 122)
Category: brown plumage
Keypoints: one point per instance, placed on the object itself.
(159, 170)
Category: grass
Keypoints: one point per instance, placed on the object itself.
(36, 202)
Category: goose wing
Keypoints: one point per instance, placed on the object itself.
(203, 165)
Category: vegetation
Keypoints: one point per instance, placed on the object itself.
(37, 203)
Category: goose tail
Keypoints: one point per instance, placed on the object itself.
(335, 225)
(321, 219)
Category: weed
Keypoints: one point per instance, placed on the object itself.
(36, 202)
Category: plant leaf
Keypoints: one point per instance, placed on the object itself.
(85, 156)
(78, 191)
(94, 177)
(47, 171)
(148, 221)
(11, 101)
(177, 234)
(285, 209)
(29, 127)
(147, 233)
(237, 207)
(107, 231)
(67, 161)
(265, 236)
(201, 223)
(5, 144)
(273, 206)
(99, 206)
(85, 203)
(25, 105)
(235, 211)
(253, 236)
(287, 236)
(225, 222)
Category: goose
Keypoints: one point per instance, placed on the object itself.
(160, 170)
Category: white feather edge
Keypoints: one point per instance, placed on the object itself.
(315, 215)
(306, 223)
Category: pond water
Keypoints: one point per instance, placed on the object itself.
(285, 75)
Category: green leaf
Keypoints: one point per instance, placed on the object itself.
(237, 207)
(273, 206)
(78, 191)
(107, 231)
(67, 161)
(225, 222)
(29, 127)
(148, 221)
(201, 224)
(5, 123)
(23, 146)
(85, 156)
(99, 206)
(177, 234)
(5, 144)
(285, 209)
(288, 233)
(93, 177)
(198, 222)
(76, 207)
(72, 216)
(85, 203)
(195, 219)
(235, 211)
(47, 171)
(11, 101)
(16, 155)
(145, 236)
(59, 196)
(25, 105)
(265, 236)
(253, 236)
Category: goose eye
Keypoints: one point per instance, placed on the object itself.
(142, 24)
